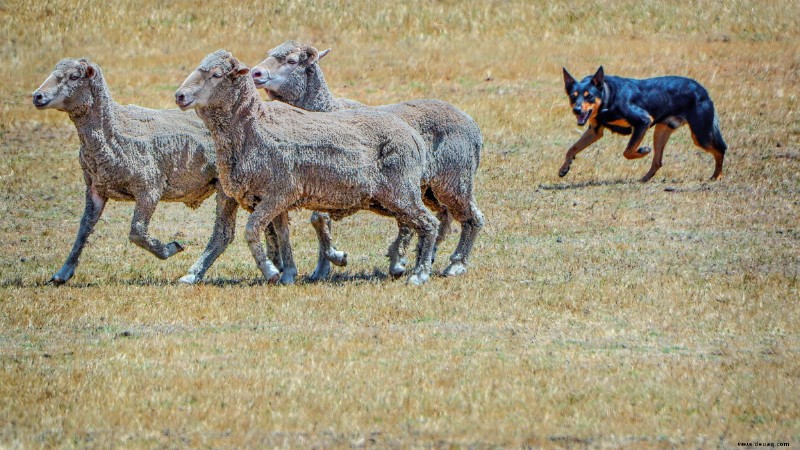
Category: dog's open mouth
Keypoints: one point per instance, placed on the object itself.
(583, 117)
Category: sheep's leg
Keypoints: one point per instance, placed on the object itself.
(256, 224)
(397, 251)
(221, 237)
(327, 253)
(145, 207)
(471, 223)
(412, 213)
(445, 219)
(273, 248)
(289, 269)
(91, 214)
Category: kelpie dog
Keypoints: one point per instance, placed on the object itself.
(630, 107)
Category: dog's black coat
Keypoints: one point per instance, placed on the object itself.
(629, 106)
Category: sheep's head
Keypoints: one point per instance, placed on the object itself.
(68, 86)
(282, 74)
(204, 86)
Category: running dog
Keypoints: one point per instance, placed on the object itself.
(629, 107)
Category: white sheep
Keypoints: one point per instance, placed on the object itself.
(453, 141)
(274, 157)
(131, 153)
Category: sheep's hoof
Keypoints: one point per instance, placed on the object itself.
(174, 247)
(62, 276)
(338, 258)
(417, 279)
(322, 271)
(189, 278)
(56, 280)
(287, 278)
(397, 270)
(271, 274)
(455, 269)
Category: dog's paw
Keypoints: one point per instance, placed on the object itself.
(563, 171)
(644, 150)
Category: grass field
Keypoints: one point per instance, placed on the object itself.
(598, 311)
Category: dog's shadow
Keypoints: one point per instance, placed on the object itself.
(582, 184)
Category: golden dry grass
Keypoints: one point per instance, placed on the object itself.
(598, 312)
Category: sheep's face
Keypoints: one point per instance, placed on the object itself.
(67, 87)
(203, 87)
(282, 74)
(197, 89)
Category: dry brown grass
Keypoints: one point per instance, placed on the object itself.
(598, 312)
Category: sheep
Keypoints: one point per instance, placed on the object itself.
(453, 141)
(130, 153)
(273, 157)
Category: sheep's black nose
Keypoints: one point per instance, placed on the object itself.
(180, 97)
(37, 98)
(257, 73)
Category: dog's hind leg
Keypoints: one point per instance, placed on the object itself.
(704, 125)
(661, 135)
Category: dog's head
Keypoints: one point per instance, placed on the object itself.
(585, 96)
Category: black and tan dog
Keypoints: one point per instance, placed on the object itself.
(630, 107)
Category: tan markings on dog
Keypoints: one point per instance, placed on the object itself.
(585, 93)
(594, 106)
(620, 123)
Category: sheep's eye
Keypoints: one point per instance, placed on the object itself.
(292, 61)
(74, 76)
(217, 75)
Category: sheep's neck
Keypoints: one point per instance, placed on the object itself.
(97, 123)
(318, 96)
(236, 118)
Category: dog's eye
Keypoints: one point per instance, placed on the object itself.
(589, 98)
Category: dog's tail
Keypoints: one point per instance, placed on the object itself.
(716, 136)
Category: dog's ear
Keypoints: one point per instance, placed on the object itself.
(569, 81)
(599, 77)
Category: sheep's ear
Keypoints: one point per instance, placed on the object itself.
(322, 54)
(599, 77)
(90, 72)
(239, 69)
(312, 55)
(569, 81)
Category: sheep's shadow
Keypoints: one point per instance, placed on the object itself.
(582, 184)
(340, 278)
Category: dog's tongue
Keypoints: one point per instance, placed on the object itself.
(582, 118)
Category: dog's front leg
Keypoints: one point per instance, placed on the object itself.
(592, 134)
(640, 123)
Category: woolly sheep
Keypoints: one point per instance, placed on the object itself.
(453, 142)
(131, 153)
(273, 157)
